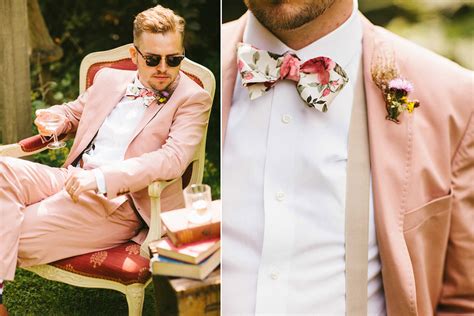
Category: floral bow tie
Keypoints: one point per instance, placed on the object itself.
(318, 80)
(134, 92)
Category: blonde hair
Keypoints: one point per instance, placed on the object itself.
(157, 20)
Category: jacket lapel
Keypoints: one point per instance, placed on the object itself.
(229, 66)
(390, 157)
(149, 114)
(107, 101)
(154, 107)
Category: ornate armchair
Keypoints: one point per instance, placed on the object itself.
(124, 268)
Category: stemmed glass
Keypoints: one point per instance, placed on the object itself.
(51, 122)
(197, 197)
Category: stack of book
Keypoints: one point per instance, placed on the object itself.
(189, 250)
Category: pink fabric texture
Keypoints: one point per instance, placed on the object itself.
(40, 223)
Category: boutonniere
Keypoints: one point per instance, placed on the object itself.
(394, 87)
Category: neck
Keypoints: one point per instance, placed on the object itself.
(324, 24)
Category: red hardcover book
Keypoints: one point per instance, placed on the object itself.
(181, 231)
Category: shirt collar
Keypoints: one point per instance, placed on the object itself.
(341, 45)
(137, 81)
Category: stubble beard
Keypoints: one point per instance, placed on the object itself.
(275, 16)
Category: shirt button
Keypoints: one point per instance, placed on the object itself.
(274, 275)
(280, 196)
(286, 118)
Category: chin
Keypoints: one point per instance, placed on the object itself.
(160, 86)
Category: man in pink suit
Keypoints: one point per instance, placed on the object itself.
(284, 166)
(132, 128)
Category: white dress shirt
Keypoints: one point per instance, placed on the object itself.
(283, 191)
(114, 135)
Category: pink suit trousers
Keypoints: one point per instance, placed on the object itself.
(39, 222)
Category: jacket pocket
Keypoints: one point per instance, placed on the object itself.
(417, 217)
(426, 232)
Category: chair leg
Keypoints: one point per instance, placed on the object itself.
(135, 297)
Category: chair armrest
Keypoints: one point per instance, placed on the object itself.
(155, 230)
(27, 146)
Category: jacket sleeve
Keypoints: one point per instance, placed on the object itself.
(457, 295)
(171, 160)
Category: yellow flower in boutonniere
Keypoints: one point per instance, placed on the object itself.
(395, 89)
(396, 98)
(412, 105)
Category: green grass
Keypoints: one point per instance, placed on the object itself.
(30, 294)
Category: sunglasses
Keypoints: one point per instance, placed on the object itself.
(154, 60)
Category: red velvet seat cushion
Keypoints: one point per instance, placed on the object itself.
(120, 264)
(35, 142)
(124, 64)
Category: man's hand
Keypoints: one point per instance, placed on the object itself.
(41, 122)
(80, 181)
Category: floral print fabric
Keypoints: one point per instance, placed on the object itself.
(318, 80)
(133, 91)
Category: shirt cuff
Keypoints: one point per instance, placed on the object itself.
(100, 180)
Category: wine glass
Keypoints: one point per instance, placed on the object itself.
(51, 122)
(197, 197)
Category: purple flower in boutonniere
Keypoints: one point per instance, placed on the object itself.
(396, 98)
(395, 89)
(162, 96)
(401, 86)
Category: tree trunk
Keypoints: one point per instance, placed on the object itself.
(43, 49)
(15, 104)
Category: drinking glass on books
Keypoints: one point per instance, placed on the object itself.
(197, 198)
(48, 124)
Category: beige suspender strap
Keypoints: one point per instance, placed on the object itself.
(357, 205)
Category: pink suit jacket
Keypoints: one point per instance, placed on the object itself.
(161, 148)
(422, 173)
